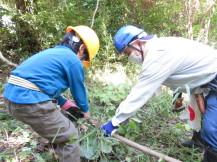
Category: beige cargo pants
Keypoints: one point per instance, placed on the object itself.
(47, 120)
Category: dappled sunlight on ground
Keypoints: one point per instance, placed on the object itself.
(115, 76)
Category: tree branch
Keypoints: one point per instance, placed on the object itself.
(210, 7)
(97, 5)
(7, 61)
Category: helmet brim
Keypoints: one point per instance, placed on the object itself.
(86, 64)
(143, 39)
(147, 38)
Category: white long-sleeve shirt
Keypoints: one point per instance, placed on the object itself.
(173, 62)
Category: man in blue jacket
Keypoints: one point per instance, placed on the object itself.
(43, 77)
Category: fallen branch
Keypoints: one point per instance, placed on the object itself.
(137, 146)
(7, 61)
(145, 149)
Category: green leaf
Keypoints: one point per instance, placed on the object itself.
(80, 138)
(26, 149)
(25, 134)
(38, 157)
(121, 130)
(89, 152)
(136, 120)
(179, 126)
(114, 98)
(46, 155)
(33, 144)
(132, 124)
(187, 127)
(106, 148)
(128, 159)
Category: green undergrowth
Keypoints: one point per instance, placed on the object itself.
(154, 126)
(18, 142)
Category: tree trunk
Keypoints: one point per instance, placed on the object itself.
(189, 6)
(203, 34)
(21, 5)
(24, 5)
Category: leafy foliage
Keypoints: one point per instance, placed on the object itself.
(154, 126)
(33, 25)
(41, 24)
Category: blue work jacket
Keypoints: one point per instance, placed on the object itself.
(53, 71)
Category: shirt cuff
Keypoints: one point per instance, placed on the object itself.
(61, 100)
(115, 122)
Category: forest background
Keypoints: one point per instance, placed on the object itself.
(29, 26)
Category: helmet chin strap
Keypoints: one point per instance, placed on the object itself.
(84, 52)
(142, 53)
(139, 50)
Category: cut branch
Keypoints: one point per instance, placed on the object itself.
(137, 146)
(145, 149)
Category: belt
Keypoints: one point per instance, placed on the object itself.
(23, 83)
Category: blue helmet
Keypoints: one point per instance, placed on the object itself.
(124, 36)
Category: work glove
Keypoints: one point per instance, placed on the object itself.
(74, 112)
(177, 104)
(109, 128)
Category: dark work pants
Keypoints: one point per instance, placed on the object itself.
(47, 120)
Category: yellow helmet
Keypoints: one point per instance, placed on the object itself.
(89, 38)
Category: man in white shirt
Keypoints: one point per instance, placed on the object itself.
(173, 62)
